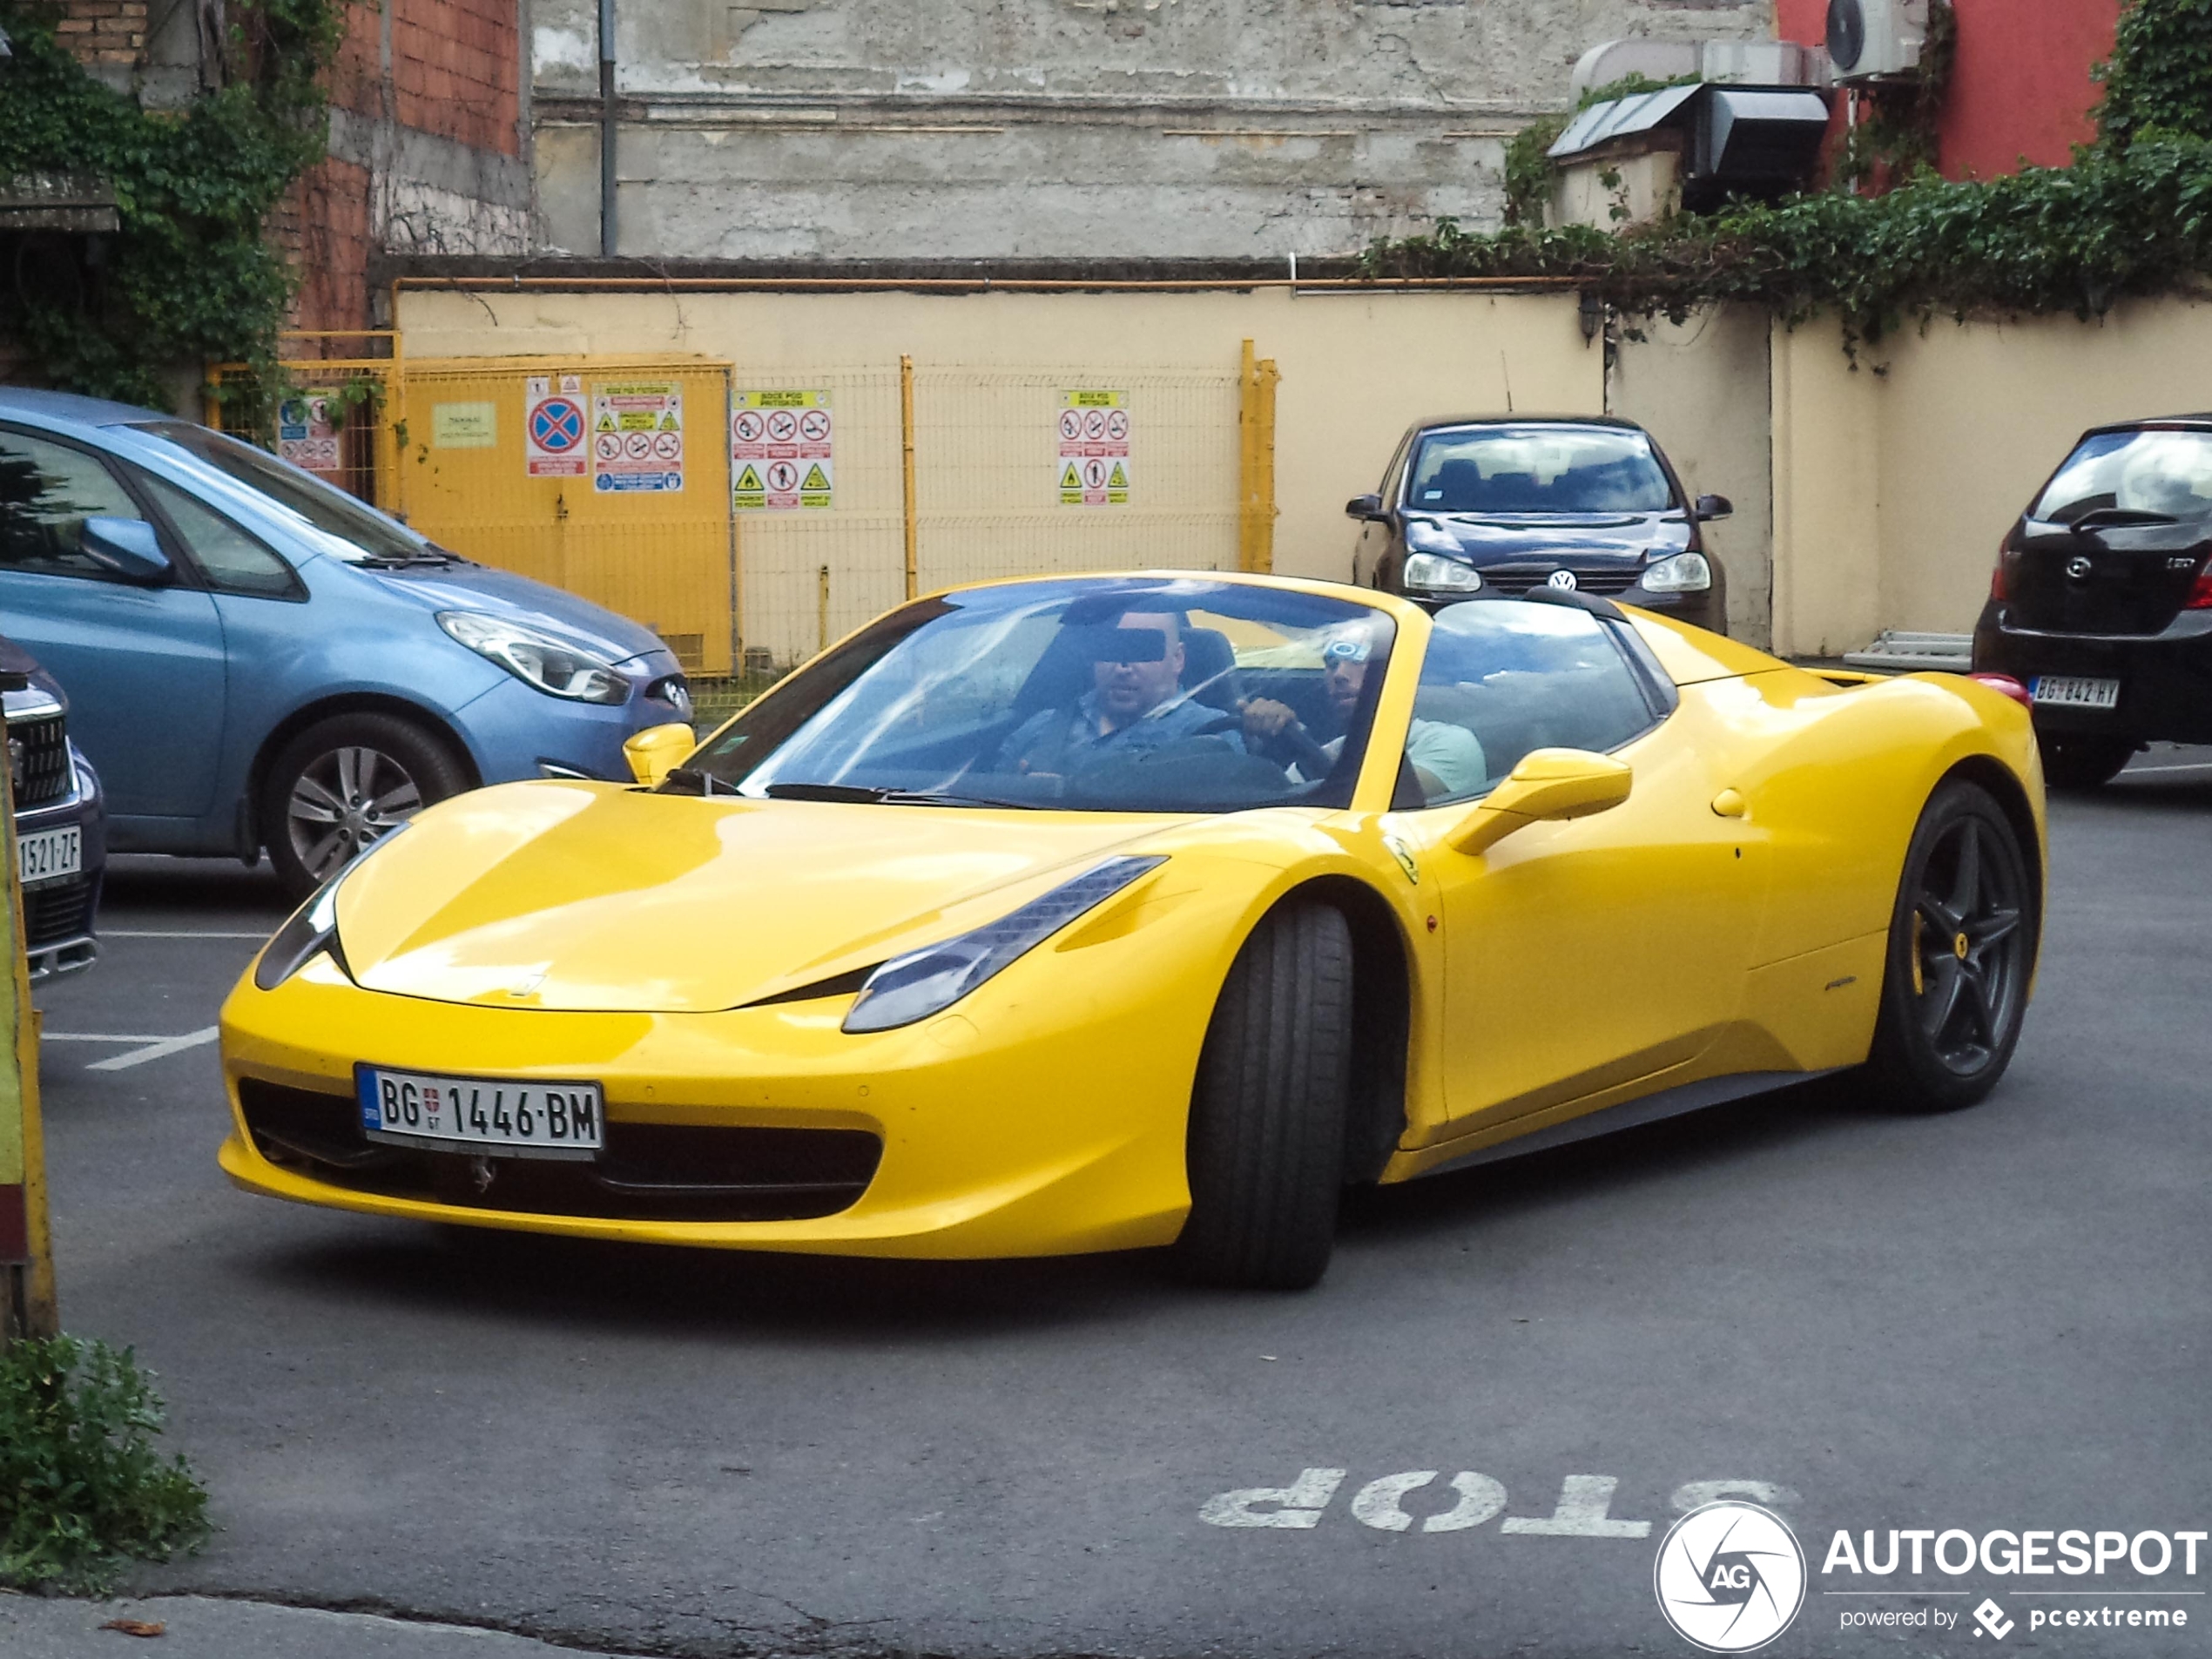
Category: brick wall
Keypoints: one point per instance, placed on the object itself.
(104, 32)
(456, 67)
(326, 230)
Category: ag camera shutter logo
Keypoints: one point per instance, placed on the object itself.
(1729, 1577)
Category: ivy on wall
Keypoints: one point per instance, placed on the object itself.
(2131, 216)
(189, 277)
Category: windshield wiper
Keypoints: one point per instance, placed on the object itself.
(690, 781)
(874, 796)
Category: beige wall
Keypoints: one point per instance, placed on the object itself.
(1895, 483)
(1701, 387)
(1357, 368)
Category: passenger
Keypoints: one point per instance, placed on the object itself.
(1131, 708)
(1446, 759)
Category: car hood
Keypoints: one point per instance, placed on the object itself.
(1627, 537)
(463, 586)
(596, 897)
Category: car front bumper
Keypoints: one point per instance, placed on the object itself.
(1006, 1128)
(59, 917)
(515, 730)
(2165, 678)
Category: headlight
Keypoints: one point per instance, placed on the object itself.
(1683, 573)
(924, 983)
(554, 667)
(314, 927)
(1435, 574)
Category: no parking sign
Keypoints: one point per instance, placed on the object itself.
(553, 434)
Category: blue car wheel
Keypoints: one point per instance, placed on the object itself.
(344, 782)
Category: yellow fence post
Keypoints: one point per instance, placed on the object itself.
(906, 448)
(27, 1304)
(821, 613)
(1256, 508)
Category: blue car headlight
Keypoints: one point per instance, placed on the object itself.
(552, 665)
(927, 982)
(314, 927)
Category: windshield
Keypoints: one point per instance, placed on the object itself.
(2166, 473)
(1144, 694)
(353, 532)
(1513, 469)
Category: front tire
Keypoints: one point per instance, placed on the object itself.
(2083, 763)
(343, 783)
(1266, 1153)
(1962, 946)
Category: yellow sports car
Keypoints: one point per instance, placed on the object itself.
(1084, 913)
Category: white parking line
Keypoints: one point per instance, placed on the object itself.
(150, 1048)
(133, 933)
(2193, 766)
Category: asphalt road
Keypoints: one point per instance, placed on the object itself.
(1995, 1320)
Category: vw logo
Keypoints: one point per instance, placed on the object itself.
(1564, 579)
(2078, 566)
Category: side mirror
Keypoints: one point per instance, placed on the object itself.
(127, 546)
(1364, 507)
(657, 750)
(1711, 507)
(1548, 784)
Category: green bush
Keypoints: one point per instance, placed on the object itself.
(82, 1489)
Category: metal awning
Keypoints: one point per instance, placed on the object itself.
(1619, 117)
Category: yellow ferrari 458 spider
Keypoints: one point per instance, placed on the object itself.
(1083, 913)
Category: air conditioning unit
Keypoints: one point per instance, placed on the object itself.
(1872, 37)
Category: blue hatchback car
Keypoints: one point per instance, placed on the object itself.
(255, 659)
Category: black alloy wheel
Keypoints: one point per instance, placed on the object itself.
(1962, 946)
(343, 783)
(1266, 1141)
(2083, 763)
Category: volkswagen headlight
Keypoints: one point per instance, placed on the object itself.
(927, 981)
(552, 665)
(1433, 573)
(313, 927)
(1682, 573)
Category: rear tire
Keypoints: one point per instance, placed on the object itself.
(342, 783)
(2083, 763)
(1265, 1152)
(1962, 945)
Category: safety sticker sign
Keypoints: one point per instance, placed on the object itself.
(307, 436)
(554, 442)
(782, 451)
(1093, 466)
(637, 437)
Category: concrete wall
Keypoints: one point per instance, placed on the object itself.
(1893, 488)
(1357, 368)
(1702, 388)
(1058, 129)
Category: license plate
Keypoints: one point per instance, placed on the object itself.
(2070, 692)
(493, 1116)
(50, 855)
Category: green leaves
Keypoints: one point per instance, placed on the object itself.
(2159, 80)
(82, 1489)
(189, 277)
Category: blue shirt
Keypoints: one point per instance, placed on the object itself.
(1059, 740)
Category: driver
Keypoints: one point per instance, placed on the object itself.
(1131, 707)
(1446, 759)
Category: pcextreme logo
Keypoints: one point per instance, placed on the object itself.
(1729, 1577)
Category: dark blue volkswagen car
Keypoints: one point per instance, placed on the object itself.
(61, 841)
(255, 660)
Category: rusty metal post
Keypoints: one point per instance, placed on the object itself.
(1255, 510)
(27, 1304)
(906, 448)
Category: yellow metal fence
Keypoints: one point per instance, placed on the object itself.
(809, 499)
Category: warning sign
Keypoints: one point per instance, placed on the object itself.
(782, 451)
(554, 445)
(307, 436)
(637, 437)
(1093, 464)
